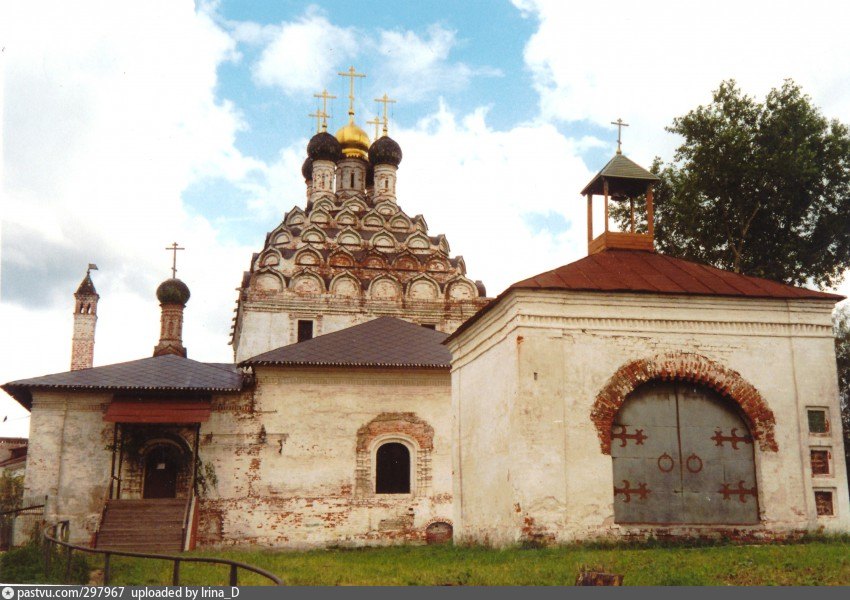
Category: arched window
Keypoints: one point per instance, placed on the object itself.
(392, 469)
(682, 454)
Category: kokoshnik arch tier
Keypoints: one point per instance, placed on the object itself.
(351, 255)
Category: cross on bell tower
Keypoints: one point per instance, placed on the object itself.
(620, 124)
(174, 248)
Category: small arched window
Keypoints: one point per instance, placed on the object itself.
(392, 469)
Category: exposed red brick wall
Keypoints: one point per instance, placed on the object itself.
(683, 366)
(399, 423)
(396, 423)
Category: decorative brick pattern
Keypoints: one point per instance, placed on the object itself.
(684, 366)
(405, 425)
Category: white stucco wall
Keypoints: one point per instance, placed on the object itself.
(565, 346)
(272, 323)
(68, 460)
(287, 461)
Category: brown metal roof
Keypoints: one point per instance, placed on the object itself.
(381, 342)
(652, 273)
(635, 271)
(165, 373)
(623, 175)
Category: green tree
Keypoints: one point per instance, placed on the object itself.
(842, 354)
(760, 188)
(11, 491)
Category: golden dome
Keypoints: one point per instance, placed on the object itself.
(354, 141)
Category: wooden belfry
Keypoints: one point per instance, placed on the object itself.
(620, 180)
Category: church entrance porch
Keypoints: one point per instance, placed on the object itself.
(151, 504)
(682, 455)
(154, 461)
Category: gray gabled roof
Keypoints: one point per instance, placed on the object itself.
(623, 175)
(159, 373)
(382, 342)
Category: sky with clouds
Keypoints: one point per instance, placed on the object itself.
(129, 125)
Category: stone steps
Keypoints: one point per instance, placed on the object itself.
(154, 525)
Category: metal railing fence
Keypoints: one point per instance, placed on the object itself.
(59, 536)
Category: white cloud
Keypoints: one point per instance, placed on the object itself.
(303, 54)
(110, 114)
(418, 66)
(648, 62)
(478, 185)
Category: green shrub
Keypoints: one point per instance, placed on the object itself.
(25, 564)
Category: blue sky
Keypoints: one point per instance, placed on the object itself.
(129, 125)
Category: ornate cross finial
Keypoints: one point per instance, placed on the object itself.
(174, 248)
(376, 122)
(385, 100)
(325, 96)
(351, 74)
(321, 120)
(620, 124)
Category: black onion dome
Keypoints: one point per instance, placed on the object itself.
(307, 169)
(385, 151)
(324, 146)
(172, 291)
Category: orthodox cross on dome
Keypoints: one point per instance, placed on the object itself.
(323, 114)
(620, 124)
(376, 122)
(174, 248)
(319, 116)
(385, 100)
(351, 74)
(321, 120)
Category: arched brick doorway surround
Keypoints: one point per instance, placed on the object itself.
(683, 366)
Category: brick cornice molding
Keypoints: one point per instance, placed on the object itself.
(683, 366)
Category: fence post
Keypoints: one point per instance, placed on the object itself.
(106, 568)
(175, 574)
(48, 551)
(68, 564)
(234, 570)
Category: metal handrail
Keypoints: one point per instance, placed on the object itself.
(19, 510)
(61, 530)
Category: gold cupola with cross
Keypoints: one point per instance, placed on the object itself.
(354, 141)
(621, 180)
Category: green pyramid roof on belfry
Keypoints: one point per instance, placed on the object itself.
(623, 175)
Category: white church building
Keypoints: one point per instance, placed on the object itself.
(377, 396)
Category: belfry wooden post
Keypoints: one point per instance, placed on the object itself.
(620, 180)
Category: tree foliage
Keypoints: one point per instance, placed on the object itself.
(11, 490)
(760, 188)
(842, 355)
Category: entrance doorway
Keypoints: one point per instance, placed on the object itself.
(682, 454)
(162, 465)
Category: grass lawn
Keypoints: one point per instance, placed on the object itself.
(816, 562)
